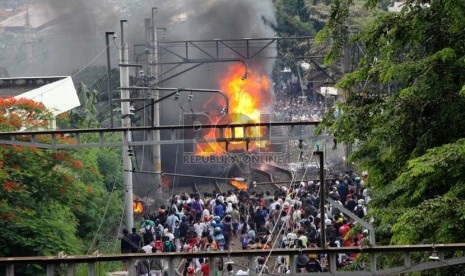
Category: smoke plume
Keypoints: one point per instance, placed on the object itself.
(78, 35)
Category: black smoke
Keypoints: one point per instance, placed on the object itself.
(77, 37)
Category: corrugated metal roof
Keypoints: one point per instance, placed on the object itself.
(58, 94)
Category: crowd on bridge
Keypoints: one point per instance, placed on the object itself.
(248, 220)
(297, 108)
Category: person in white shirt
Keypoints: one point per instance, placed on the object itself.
(205, 213)
(147, 248)
(198, 228)
(231, 197)
(168, 233)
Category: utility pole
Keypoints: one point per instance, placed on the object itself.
(110, 96)
(126, 123)
(28, 36)
(156, 114)
(322, 200)
(345, 70)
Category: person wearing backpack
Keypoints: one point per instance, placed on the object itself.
(159, 229)
(313, 265)
(168, 245)
(350, 203)
(142, 266)
(360, 209)
(147, 233)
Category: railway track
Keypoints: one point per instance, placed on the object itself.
(270, 178)
(202, 188)
(267, 177)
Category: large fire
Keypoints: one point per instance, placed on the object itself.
(246, 97)
(138, 207)
(240, 185)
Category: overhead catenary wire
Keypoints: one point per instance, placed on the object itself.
(104, 213)
(280, 214)
(181, 112)
(59, 83)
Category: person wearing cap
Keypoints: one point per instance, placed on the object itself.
(331, 232)
(219, 208)
(360, 210)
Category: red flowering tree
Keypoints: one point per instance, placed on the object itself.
(49, 200)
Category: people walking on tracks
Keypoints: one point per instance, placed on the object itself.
(291, 215)
(136, 241)
(126, 246)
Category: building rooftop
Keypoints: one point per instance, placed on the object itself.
(58, 94)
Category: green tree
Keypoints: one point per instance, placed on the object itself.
(50, 201)
(405, 113)
(297, 18)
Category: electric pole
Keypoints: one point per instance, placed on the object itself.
(126, 123)
(28, 35)
(156, 114)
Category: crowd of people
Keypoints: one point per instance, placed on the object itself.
(297, 108)
(287, 218)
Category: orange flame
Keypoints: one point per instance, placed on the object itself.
(240, 185)
(246, 98)
(138, 207)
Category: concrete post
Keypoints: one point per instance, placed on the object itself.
(156, 114)
(91, 269)
(50, 270)
(126, 123)
(293, 264)
(10, 270)
(71, 270)
(252, 265)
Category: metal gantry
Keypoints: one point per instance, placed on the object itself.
(194, 53)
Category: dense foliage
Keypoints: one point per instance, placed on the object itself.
(405, 113)
(50, 201)
(298, 18)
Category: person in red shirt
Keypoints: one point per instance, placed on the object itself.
(343, 230)
(205, 269)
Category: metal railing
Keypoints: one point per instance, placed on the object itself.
(435, 260)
